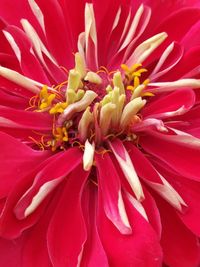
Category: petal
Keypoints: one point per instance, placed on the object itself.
(173, 104)
(56, 32)
(180, 247)
(181, 153)
(94, 253)
(46, 180)
(27, 201)
(168, 24)
(127, 167)
(22, 48)
(35, 251)
(110, 189)
(67, 232)
(13, 118)
(190, 192)
(141, 248)
(11, 252)
(23, 159)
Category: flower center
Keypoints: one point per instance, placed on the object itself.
(94, 106)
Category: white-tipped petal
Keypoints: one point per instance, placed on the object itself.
(88, 155)
(138, 206)
(38, 13)
(146, 48)
(90, 35)
(117, 17)
(168, 86)
(19, 79)
(127, 167)
(13, 45)
(168, 193)
(43, 192)
(133, 27)
(38, 45)
(122, 211)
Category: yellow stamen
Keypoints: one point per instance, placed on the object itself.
(147, 94)
(46, 98)
(58, 108)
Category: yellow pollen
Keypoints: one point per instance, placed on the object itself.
(58, 108)
(60, 135)
(45, 98)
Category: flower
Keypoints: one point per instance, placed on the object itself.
(100, 128)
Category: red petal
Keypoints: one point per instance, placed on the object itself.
(13, 118)
(110, 189)
(67, 231)
(141, 248)
(181, 248)
(181, 153)
(165, 107)
(190, 192)
(94, 253)
(10, 226)
(16, 161)
(58, 38)
(33, 70)
(35, 252)
(11, 252)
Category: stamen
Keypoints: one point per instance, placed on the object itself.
(80, 65)
(74, 80)
(106, 116)
(77, 107)
(93, 77)
(58, 108)
(117, 81)
(84, 124)
(130, 110)
(46, 99)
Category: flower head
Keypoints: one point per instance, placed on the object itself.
(99, 118)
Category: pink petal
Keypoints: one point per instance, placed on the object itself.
(11, 251)
(17, 37)
(10, 226)
(67, 231)
(168, 24)
(56, 32)
(94, 253)
(180, 247)
(35, 252)
(23, 159)
(175, 103)
(170, 149)
(46, 180)
(110, 189)
(139, 160)
(12, 100)
(13, 118)
(190, 192)
(141, 248)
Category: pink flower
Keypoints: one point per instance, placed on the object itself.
(100, 128)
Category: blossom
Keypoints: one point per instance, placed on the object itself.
(100, 128)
